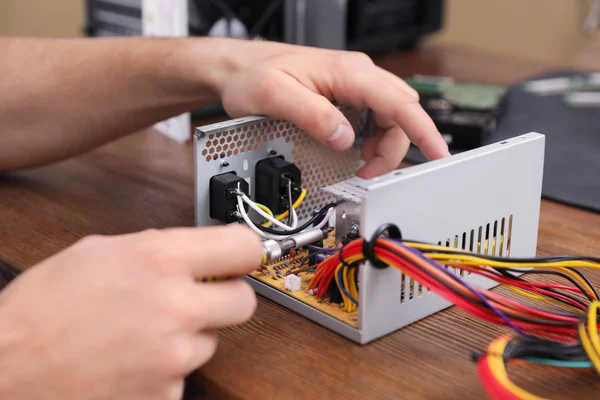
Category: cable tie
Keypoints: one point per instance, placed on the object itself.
(368, 247)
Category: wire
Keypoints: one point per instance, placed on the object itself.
(295, 205)
(307, 224)
(264, 214)
(268, 224)
(291, 202)
(566, 337)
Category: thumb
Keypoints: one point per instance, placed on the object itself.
(281, 96)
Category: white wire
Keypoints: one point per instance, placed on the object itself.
(326, 219)
(266, 235)
(264, 214)
(294, 218)
(252, 225)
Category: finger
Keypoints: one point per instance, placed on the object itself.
(400, 83)
(189, 354)
(206, 347)
(232, 250)
(369, 146)
(222, 304)
(283, 97)
(367, 87)
(389, 153)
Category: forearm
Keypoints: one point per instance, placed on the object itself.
(59, 98)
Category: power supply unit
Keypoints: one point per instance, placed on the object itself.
(485, 200)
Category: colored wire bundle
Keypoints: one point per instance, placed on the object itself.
(264, 229)
(566, 336)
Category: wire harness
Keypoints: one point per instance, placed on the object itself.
(564, 336)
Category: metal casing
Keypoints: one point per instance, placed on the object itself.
(493, 192)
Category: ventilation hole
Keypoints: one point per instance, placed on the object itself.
(494, 239)
(229, 153)
(501, 251)
(509, 234)
(239, 130)
(222, 140)
(411, 293)
(204, 152)
(219, 148)
(215, 157)
(211, 137)
(208, 158)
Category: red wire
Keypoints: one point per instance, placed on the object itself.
(492, 387)
(477, 310)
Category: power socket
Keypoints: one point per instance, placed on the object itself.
(223, 203)
(272, 177)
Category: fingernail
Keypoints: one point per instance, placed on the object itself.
(342, 138)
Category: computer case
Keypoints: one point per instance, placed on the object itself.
(359, 25)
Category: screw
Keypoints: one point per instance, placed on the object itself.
(224, 163)
(272, 152)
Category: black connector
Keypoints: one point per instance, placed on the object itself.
(272, 178)
(223, 200)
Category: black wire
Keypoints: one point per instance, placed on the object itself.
(267, 15)
(477, 300)
(302, 227)
(557, 273)
(547, 349)
(291, 202)
(504, 259)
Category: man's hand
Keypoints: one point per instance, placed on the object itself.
(298, 84)
(123, 317)
(59, 98)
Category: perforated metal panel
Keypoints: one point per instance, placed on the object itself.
(237, 145)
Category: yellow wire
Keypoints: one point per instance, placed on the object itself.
(589, 348)
(589, 339)
(539, 297)
(498, 369)
(593, 324)
(268, 211)
(294, 206)
(348, 305)
(353, 287)
(472, 260)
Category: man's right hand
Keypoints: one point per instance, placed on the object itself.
(123, 317)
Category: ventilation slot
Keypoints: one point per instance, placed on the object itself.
(493, 239)
(410, 289)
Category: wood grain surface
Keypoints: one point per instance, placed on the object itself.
(146, 181)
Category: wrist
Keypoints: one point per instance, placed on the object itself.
(210, 62)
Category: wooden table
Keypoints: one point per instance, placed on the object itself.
(145, 181)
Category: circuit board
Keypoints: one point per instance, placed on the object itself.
(274, 276)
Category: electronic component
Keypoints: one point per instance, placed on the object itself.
(292, 283)
(465, 113)
(273, 175)
(319, 258)
(273, 250)
(425, 201)
(223, 202)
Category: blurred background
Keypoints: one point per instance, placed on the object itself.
(551, 30)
